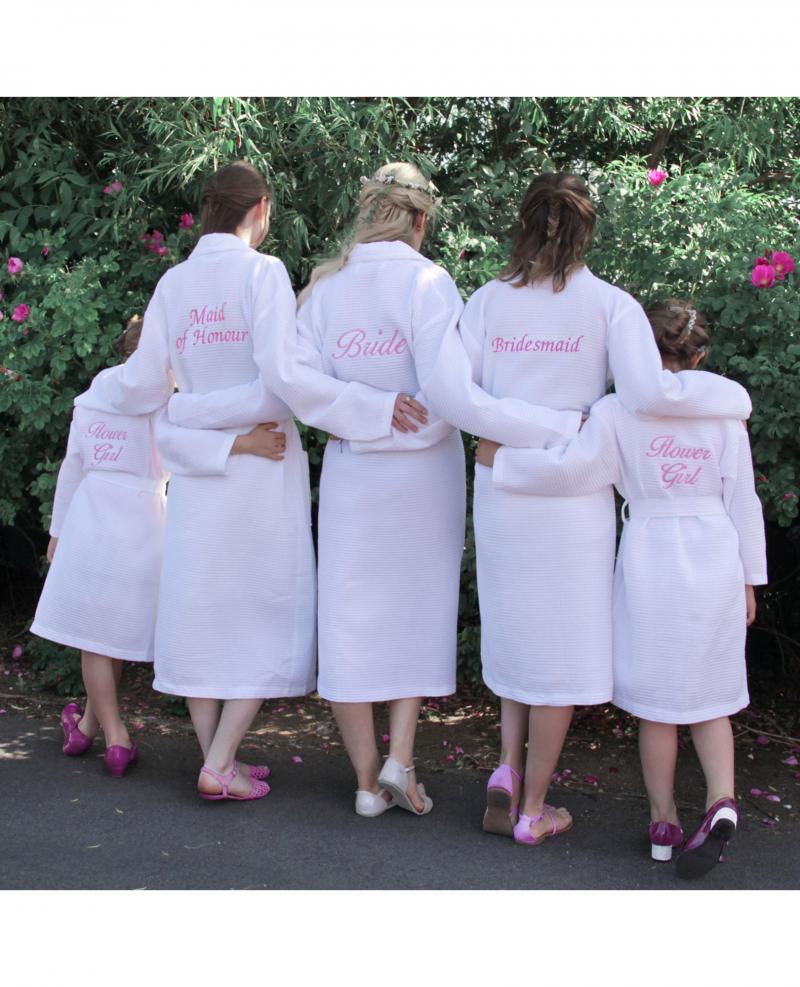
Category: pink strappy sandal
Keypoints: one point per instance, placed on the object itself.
(258, 789)
(75, 740)
(257, 771)
(522, 831)
(501, 809)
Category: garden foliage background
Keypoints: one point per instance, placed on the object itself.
(96, 198)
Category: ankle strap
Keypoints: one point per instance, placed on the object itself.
(224, 780)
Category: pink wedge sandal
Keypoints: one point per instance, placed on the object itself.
(522, 831)
(258, 789)
(501, 808)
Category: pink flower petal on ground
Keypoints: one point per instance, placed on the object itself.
(2, 712)
(445, 743)
(16, 654)
(278, 709)
(796, 776)
(769, 822)
(756, 792)
(590, 779)
(790, 761)
(385, 738)
(762, 741)
(296, 759)
(450, 757)
(567, 772)
(772, 798)
(460, 750)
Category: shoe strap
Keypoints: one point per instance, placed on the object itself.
(224, 780)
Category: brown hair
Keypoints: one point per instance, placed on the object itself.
(129, 340)
(681, 331)
(229, 194)
(557, 222)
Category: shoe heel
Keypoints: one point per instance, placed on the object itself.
(658, 852)
(497, 820)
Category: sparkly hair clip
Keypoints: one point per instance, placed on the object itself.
(690, 324)
(391, 180)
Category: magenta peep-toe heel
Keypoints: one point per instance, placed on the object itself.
(75, 741)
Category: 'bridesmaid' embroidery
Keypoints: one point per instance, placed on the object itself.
(524, 344)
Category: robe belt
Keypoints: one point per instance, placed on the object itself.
(127, 480)
(672, 507)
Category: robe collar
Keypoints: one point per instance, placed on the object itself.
(383, 250)
(212, 243)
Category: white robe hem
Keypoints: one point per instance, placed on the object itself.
(530, 699)
(108, 650)
(683, 717)
(253, 692)
(427, 691)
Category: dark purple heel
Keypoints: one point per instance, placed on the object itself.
(664, 837)
(703, 850)
(118, 759)
(75, 741)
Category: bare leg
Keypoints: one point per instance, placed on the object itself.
(547, 729)
(713, 741)
(234, 722)
(357, 728)
(205, 720)
(403, 717)
(100, 676)
(658, 749)
(513, 732)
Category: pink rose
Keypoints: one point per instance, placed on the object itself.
(156, 236)
(161, 251)
(186, 221)
(45, 251)
(15, 265)
(2, 316)
(789, 495)
(20, 313)
(114, 188)
(761, 260)
(16, 654)
(655, 176)
(763, 275)
(783, 263)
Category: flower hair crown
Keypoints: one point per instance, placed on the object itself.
(391, 180)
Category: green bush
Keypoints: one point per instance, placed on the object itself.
(730, 194)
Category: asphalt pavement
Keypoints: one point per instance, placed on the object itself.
(66, 824)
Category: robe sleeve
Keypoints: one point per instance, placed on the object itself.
(425, 436)
(241, 406)
(70, 475)
(445, 374)
(590, 462)
(143, 383)
(292, 368)
(192, 451)
(645, 387)
(743, 505)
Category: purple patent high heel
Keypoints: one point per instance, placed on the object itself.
(703, 849)
(118, 758)
(75, 741)
(501, 808)
(664, 836)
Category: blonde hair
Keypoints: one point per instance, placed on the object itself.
(387, 210)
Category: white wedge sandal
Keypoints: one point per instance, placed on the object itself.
(371, 805)
(393, 778)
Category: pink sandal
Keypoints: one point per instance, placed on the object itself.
(522, 831)
(501, 809)
(75, 740)
(258, 789)
(258, 772)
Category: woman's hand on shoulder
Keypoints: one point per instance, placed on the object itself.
(261, 441)
(485, 452)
